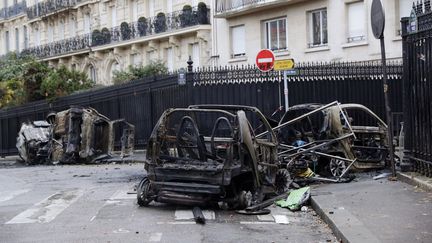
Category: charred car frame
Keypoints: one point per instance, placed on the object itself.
(210, 153)
(75, 135)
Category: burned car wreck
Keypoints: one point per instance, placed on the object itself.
(331, 139)
(210, 154)
(76, 135)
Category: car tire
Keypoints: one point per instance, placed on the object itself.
(143, 190)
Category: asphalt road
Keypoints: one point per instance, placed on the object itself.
(91, 203)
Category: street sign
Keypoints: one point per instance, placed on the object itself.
(281, 65)
(181, 80)
(377, 19)
(265, 60)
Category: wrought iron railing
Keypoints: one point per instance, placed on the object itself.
(126, 31)
(227, 5)
(60, 47)
(12, 11)
(50, 6)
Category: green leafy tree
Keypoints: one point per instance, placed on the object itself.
(62, 81)
(132, 73)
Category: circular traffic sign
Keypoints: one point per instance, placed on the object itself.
(265, 60)
(377, 19)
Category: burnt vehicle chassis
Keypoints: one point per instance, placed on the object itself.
(76, 135)
(208, 154)
(327, 136)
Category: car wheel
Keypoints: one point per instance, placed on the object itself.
(282, 181)
(143, 190)
(337, 167)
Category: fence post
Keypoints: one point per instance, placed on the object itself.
(405, 163)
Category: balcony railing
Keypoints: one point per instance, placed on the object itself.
(126, 31)
(60, 47)
(49, 7)
(12, 11)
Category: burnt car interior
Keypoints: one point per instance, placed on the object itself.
(209, 153)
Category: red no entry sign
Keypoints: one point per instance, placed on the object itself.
(265, 60)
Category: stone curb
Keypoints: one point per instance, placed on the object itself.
(339, 235)
(415, 180)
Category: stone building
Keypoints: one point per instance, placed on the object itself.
(306, 30)
(100, 36)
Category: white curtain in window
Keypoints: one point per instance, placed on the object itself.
(17, 42)
(170, 59)
(87, 23)
(169, 6)
(195, 55)
(238, 40)
(151, 7)
(50, 33)
(61, 30)
(37, 37)
(405, 7)
(134, 10)
(356, 19)
(25, 36)
(113, 17)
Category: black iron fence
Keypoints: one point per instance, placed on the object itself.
(142, 101)
(417, 81)
(12, 11)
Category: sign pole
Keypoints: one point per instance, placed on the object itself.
(387, 107)
(378, 24)
(286, 90)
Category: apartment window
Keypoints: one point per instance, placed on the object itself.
(87, 23)
(170, 59)
(92, 73)
(134, 6)
(37, 36)
(276, 34)
(115, 67)
(72, 27)
(356, 21)
(151, 7)
(318, 28)
(50, 33)
(195, 51)
(136, 59)
(238, 40)
(113, 16)
(16, 39)
(169, 4)
(25, 35)
(7, 47)
(61, 30)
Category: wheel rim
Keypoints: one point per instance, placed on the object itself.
(282, 181)
(337, 167)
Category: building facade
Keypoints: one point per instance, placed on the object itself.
(306, 30)
(101, 36)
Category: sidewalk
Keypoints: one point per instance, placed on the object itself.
(368, 210)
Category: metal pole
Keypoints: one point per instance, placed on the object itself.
(286, 90)
(387, 107)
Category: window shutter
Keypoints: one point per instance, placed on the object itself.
(356, 19)
(238, 40)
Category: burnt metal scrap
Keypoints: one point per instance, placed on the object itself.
(76, 135)
(324, 138)
(210, 154)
